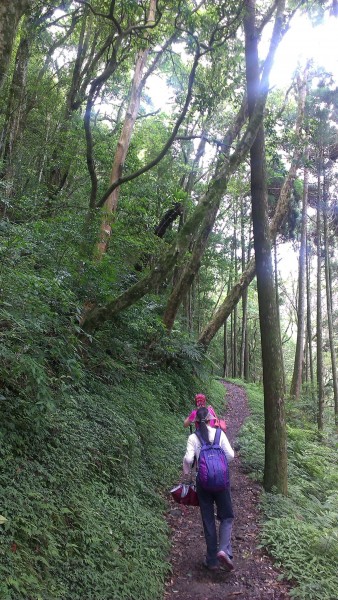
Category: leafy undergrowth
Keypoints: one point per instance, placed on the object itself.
(89, 435)
(82, 493)
(299, 531)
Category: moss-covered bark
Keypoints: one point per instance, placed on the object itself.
(10, 15)
(275, 467)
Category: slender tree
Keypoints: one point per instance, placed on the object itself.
(244, 363)
(299, 356)
(123, 143)
(328, 282)
(275, 467)
(319, 334)
(309, 335)
(234, 313)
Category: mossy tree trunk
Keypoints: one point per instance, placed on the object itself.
(235, 316)
(275, 467)
(16, 106)
(10, 15)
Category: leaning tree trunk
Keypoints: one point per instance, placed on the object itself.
(275, 467)
(190, 270)
(296, 383)
(216, 190)
(247, 276)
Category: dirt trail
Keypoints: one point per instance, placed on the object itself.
(254, 576)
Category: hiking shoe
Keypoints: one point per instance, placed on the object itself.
(225, 560)
(210, 567)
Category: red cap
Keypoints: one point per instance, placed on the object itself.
(200, 399)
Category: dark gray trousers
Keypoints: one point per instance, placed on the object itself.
(225, 516)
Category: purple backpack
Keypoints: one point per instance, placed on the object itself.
(213, 470)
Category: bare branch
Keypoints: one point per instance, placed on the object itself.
(152, 114)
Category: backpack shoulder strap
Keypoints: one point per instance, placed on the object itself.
(217, 436)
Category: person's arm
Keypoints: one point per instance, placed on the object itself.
(189, 455)
(190, 419)
(225, 445)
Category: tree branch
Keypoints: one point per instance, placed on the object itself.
(121, 180)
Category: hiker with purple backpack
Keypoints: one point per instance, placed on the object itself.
(212, 451)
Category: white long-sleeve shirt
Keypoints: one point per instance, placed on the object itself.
(194, 447)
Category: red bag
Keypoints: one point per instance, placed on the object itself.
(221, 423)
(185, 493)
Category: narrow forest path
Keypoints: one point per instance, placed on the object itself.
(254, 576)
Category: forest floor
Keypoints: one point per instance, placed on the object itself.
(254, 576)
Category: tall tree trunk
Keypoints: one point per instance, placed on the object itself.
(329, 301)
(10, 15)
(278, 307)
(308, 321)
(57, 174)
(123, 144)
(194, 168)
(320, 382)
(234, 314)
(225, 350)
(275, 467)
(226, 369)
(244, 336)
(296, 383)
(16, 106)
(188, 184)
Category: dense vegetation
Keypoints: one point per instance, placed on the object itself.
(90, 440)
(129, 243)
(299, 531)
